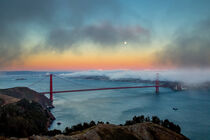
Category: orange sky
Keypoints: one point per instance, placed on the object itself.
(89, 58)
(58, 35)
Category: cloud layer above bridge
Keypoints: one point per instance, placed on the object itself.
(28, 28)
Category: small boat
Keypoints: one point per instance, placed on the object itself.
(20, 79)
(175, 109)
(58, 123)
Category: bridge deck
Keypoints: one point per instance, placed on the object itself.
(95, 89)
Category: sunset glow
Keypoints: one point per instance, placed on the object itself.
(129, 35)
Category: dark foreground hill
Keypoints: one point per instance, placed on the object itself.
(139, 131)
(24, 118)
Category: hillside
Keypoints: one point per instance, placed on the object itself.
(140, 131)
(24, 118)
(5, 99)
(24, 92)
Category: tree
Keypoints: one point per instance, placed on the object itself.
(155, 120)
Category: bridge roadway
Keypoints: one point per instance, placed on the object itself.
(95, 89)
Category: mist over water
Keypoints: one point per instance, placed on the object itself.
(117, 106)
(190, 76)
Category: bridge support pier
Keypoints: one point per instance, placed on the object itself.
(51, 87)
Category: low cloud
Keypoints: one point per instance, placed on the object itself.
(195, 76)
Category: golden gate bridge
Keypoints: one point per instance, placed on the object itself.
(51, 91)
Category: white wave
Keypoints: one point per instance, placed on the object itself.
(184, 75)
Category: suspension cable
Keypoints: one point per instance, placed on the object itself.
(38, 81)
(69, 80)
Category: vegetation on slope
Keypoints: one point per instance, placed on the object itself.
(165, 123)
(1, 101)
(138, 131)
(23, 119)
(136, 119)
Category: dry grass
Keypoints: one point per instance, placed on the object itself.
(8, 99)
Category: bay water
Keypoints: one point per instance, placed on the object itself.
(117, 106)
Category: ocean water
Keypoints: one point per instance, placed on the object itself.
(117, 106)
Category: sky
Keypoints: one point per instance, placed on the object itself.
(104, 34)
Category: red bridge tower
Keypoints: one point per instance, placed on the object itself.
(51, 87)
(157, 83)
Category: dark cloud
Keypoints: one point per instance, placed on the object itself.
(25, 10)
(10, 47)
(15, 16)
(109, 34)
(190, 48)
(78, 11)
(64, 23)
(103, 34)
